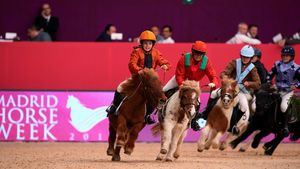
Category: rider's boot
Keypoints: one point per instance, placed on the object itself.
(118, 97)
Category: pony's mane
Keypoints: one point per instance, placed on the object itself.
(192, 85)
(130, 85)
(228, 81)
(149, 78)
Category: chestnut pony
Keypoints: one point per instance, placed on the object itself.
(144, 87)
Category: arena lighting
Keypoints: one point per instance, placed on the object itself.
(187, 2)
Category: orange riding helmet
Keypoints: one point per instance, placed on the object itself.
(147, 35)
(199, 47)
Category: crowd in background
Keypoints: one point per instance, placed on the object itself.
(46, 26)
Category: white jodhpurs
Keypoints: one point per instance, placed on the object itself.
(171, 84)
(285, 99)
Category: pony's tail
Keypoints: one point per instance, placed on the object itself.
(156, 129)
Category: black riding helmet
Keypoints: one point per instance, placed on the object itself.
(257, 53)
(288, 50)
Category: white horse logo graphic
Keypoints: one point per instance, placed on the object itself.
(82, 118)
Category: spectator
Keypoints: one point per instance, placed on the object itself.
(156, 31)
(167, 33)
(35, 33)
(47, 22)
(241, 36)
(105, 36)
(295, 39)
(253, 31)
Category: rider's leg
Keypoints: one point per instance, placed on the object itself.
(148, 118)
(169, 89)
(214, 96)
(170, 85)
(118, 97)
(252, 102)
(283, 107)
(244, 108)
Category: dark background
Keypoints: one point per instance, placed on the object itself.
(208, 20)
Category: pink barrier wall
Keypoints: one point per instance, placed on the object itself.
(63, 116)
(95, 66)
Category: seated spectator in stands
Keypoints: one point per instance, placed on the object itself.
(253, 31)
(156, 31)
(48, 22)
(35, 33)
(241, 37)
(295, 39)
(167, 33)
(105, 36)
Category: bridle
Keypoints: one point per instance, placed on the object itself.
(230, 96)
(194, 103)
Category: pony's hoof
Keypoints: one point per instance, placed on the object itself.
(128, 151)
(268, 152)
(158, 158)
(255, 144)
(175, 155)
(223, 146)
(169, 160)
(233, 145)
(116, 158)
(200, 147)
(110, 151)
(163, 151)
(214, 146)
(242, 149)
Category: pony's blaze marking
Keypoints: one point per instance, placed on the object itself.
(193, 96)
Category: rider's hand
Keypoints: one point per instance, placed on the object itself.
(293, 87)
(246, 84)
(140, 71)
(164, 67)
(211, 85)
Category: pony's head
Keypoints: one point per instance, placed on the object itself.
(188, 95)
(71, 101)
(151, 86)
(229, 91)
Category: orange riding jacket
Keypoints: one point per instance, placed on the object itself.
(137, 59)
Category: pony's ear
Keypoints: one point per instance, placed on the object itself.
(180, 92)
(234, 83)
(223, 81)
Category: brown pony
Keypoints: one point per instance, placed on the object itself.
(218, 120)
(142, 88)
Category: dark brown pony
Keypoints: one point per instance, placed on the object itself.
(142, 88)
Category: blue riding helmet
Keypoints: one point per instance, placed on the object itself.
(247, 51)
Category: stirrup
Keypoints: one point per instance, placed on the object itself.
(161, 104)
(235, 130)
(149, 120)
(111, 109)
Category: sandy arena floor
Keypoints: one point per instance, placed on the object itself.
(93, 155)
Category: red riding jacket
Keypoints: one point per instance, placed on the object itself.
(188, 68)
